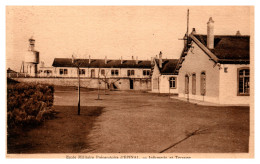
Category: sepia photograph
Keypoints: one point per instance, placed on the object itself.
(129, 82)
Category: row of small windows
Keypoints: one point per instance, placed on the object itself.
(113, 72)
(193, 84)
(243, 82)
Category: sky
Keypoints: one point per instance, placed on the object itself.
(100, 31)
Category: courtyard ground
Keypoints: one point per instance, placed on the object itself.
(138, 122)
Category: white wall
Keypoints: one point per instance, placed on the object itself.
(165, 86)
(229, 85)
(196, 62)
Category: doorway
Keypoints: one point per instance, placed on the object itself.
(131, 83)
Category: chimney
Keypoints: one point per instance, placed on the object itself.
(132, 57)
(193, 31)
(152, 60)
(105, 59)
(160, 59)
(210, 33)
(121, 60)
(89, 59)
(238, 33)
(136, 61)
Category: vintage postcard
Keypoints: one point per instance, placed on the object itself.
(130, 82)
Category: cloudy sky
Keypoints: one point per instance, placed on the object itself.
(112, 31)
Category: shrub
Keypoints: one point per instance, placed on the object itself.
(29, 104)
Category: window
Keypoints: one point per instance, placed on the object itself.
(92, 73)
(103, 72)
(146, 72)
(194, 84)
(82, 71)
(63, 71)
(203, 83)
(172, 82)
(130, 72)
(114, 72)
(186, 84)
(243, 82)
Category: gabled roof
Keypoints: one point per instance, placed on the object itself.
(168, 65)
(228, 47)
(100, 63)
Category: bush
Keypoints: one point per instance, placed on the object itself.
(29, 104)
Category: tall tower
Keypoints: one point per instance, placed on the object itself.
(32, 59)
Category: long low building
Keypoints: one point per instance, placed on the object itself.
(103, 73)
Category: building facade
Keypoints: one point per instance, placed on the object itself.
(164, 80)
(105, 73)
(215, 68)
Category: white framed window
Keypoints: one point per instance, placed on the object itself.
(146, 72)
(243, 81)
(172, 82)
(82, 71)
(114, 72)
(63, 71)
(130, 72)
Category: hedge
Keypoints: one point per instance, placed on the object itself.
(29, 104)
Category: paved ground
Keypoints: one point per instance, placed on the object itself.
(138, 122)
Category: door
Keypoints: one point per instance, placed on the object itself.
(131, 83)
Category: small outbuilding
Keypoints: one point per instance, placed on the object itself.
(164, 80)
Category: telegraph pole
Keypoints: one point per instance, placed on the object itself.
(78, 91)
(77, 64)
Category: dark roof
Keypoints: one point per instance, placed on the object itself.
(10, 71)
(100, 63)
(168, 65)
(228, 47)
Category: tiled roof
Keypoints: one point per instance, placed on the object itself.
(168, 65)
(100, 63)
(228, 47)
